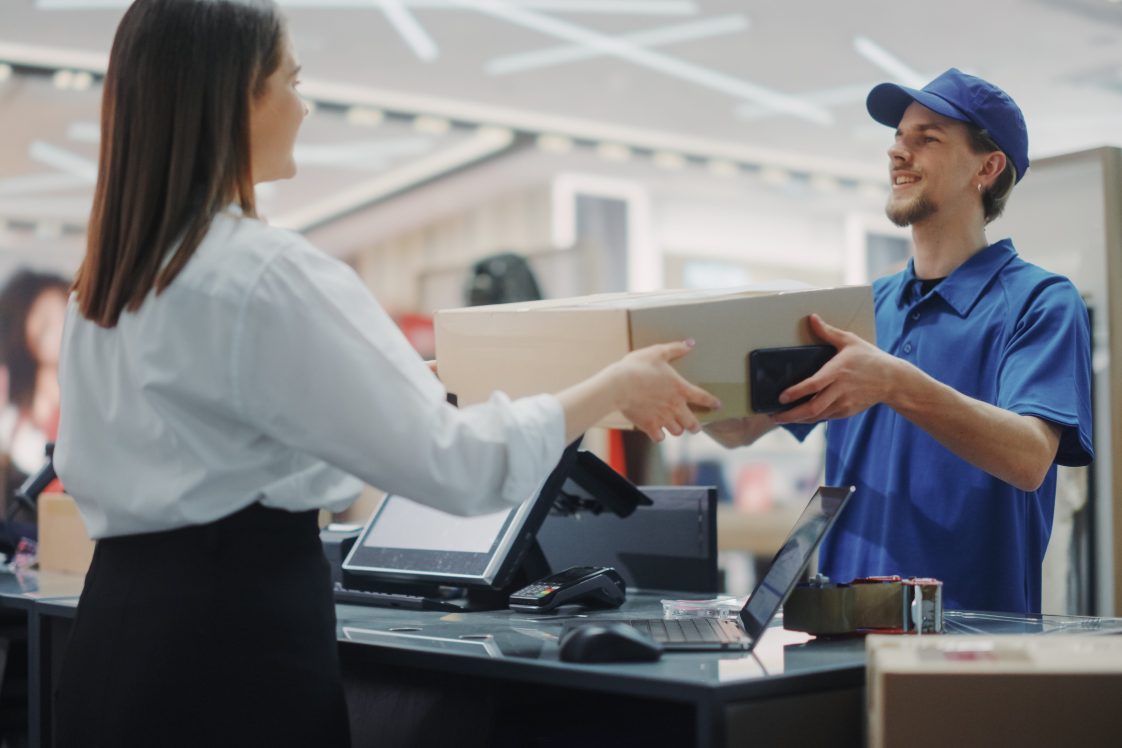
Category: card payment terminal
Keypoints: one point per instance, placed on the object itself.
(599, 586)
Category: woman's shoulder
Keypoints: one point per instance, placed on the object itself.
(237, 250)
(236, 236)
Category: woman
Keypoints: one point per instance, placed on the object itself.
(222, 379)
(32, 307)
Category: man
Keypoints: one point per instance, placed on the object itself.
(951, 429)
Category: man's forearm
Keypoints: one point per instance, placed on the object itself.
(1017, 449)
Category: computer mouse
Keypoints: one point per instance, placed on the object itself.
(610, 641)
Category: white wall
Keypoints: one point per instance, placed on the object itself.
(1057, 219)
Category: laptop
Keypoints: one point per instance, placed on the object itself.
(785, 571)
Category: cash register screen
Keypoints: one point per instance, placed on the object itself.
(407, 541)
(413, 542)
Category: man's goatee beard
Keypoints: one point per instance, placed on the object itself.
(911, 212)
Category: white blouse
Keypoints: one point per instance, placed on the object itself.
(266, 372)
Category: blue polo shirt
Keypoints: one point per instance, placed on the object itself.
(997, 329)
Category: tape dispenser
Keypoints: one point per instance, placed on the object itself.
(882, 605)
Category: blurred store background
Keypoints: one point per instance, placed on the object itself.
(472, 151)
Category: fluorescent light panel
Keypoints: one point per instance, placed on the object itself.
(613, 7)
(622, 49)
(409, 29)
(63, 160)
(665, 35)
(887, 62)
(479, 146)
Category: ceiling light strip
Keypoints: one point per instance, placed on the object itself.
(601, 7)
(887, 62)
(664, 35)
(486, 142)
(411, 104)
(612, 7)
(408, 104)
(53, 58)
(63, 160)
(670, 66)
(409, 29)
(32, 184)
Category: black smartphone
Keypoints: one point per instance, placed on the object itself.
(772, 370)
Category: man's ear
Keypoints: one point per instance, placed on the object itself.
(991, 168)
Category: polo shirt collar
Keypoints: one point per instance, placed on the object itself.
(963, 287)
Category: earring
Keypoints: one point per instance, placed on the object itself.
(979, 187)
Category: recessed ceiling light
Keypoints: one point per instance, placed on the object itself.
(63, 79)
(5, 72)
(824, 183)
(555, 143)
(365, 117)
(310, 106)
(613, 152)
(495, 131)
(48, 230)
(720, 167)
(81, 81)
(669, 160)
(775, 176)
(431, 125)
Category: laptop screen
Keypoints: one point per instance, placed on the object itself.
(787, 567)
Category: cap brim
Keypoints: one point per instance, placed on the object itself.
(886, 103)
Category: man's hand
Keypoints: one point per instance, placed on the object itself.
(857, 378)
(1017, 449)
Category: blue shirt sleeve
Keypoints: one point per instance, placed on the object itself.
(1046, 368)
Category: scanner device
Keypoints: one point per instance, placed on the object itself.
(596, 586)
(609, 641)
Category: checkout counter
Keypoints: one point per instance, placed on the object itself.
(495, 678)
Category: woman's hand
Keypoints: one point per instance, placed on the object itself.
(644, 387)
(654, 396)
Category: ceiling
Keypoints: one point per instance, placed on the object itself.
(407, 90)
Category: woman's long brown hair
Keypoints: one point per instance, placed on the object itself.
(174, 141)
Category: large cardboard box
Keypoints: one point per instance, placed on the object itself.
(988, 691)
(527, 348)
(64, 544)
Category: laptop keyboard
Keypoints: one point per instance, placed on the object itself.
(692, 630)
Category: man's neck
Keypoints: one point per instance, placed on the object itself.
(941, 246)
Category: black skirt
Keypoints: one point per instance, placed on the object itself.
(213, 635)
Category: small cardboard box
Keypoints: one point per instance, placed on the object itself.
(526, 348)
(64, 545)
(993, 690)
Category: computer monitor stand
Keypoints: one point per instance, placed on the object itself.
(581, 483)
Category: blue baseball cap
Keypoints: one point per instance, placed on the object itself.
(963, 97)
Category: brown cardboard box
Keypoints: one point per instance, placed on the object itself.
(63, 543)
(526, 348)
(994, 690)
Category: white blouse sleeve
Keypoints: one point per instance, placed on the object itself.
(319, 366)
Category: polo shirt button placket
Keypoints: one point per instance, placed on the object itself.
(907, 347)
(915, 315)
